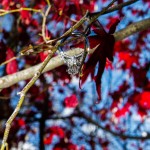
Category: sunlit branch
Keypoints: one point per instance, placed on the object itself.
(5, 12)
(48, 2)
(44, 23)
(132, 29)
(55, 62)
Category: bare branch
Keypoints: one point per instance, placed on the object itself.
(55, 62)
(44, 23)
(124, 136)
(118, 7)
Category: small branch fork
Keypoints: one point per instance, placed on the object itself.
(53, 50)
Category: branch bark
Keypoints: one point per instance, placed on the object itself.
(55, 62)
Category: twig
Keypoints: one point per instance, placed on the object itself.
(48, 2)
(95, 16)
(5, 12)
(6, 62)
(117, 7)
(44, 23)
(4, 97)
(120, 6)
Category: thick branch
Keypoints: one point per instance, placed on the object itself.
(55, 62)
(132, 28)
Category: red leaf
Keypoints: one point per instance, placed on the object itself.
(128, 59)
(139, 75)
(98, 77)
(104, 1)
(122, 46)
(56, 130)
(25, 16)
(43, 55)
(12, 66)
(21, 122)
(108, 64)
(57, 148)
(5, 4)
(48, 140)
(113, 26)
(82, 148)
(144, 100)
(102, 52)
(71, 101)
(113, 22)
(123, 111)
(72, 146)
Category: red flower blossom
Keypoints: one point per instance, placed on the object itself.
(71, 101)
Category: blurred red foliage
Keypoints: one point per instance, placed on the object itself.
(12, 66)
(71, 101)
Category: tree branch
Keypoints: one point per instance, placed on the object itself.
(132, 28)
(124, 136)
(55, 62)
(94, 122)
(117, 7)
